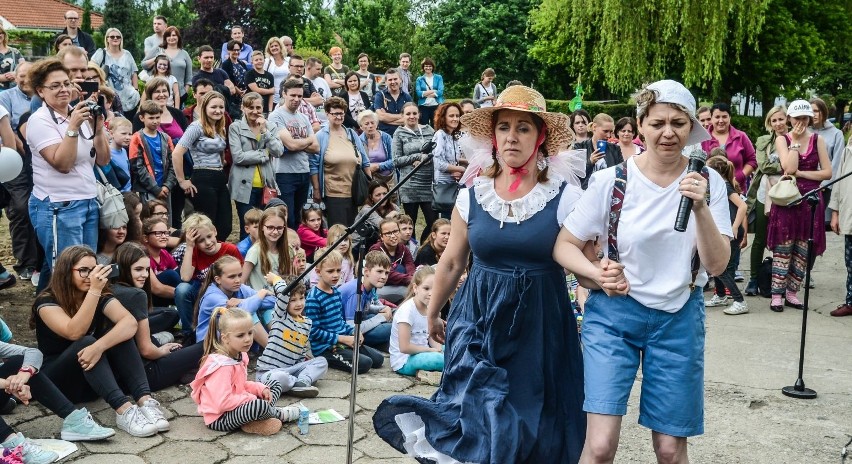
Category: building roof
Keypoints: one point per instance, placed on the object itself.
(41, 14)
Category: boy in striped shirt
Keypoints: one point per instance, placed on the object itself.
(331, 337)
(287, 357)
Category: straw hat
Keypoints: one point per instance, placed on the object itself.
(521, 98)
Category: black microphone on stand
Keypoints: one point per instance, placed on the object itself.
(696, 163)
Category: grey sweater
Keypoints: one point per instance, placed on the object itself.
(32, 356)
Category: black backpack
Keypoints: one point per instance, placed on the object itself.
(764, 278)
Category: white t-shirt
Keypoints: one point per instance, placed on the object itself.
(325, 91)
(657, 259)
(79, 183)
(407, 313)
(257, 279)
(527, 205)
(279, 74)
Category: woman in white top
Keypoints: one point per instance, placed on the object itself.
(120, 68)
(65, 142)
(657, 313)
(276, 64)
(625, 131)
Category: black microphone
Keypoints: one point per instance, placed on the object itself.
(428, 147)
(696, 163)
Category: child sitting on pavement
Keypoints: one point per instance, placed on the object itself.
(287, 357)
(331, 337)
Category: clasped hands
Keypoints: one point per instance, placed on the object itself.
(611, 278)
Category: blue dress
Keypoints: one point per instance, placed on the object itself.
(512, 388)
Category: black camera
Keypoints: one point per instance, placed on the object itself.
(94, 108)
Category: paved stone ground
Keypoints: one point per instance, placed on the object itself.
(748, 359)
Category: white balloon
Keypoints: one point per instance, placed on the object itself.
(11, 164)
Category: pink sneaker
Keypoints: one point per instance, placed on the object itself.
(791, 300)
(777, 304)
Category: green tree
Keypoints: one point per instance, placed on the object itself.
(276, 18)
(467, 36)
(778, 63)
(180, 14)
(120, 15)
(320, 28)
(380, 28)
(86, 24)
(832, 77)
(622, 44)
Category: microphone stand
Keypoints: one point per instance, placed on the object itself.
(363, 228)
(798, 389)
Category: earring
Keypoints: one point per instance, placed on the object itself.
(541, 162)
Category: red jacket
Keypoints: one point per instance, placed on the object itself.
(402, 264)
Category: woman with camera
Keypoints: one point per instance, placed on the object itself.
(66, 142)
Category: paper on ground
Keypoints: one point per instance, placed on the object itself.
(325, 416)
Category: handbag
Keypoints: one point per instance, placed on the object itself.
(444, 196)
(785, 191)
(268, 194)
(113, 213)
(360, 179)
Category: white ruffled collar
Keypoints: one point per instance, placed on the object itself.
(522, 208)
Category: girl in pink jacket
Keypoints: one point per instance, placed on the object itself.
(226, 398)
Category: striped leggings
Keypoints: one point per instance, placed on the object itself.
(789, 261)
(254, 410)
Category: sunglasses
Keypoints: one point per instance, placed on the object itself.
(114, 37)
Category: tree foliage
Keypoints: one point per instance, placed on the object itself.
(215, 18)
(120, 14)
(625, 43)
(380, 28)
(180, 14)
(86, 23)
(276, 18)
(468, 36)
(785, 53)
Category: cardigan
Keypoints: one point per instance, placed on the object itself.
(317, 162)
(421, 86)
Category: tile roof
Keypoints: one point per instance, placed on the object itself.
(41, 14)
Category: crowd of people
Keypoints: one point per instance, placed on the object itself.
(512, 198)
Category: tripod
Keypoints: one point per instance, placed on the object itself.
(798, 389)
(364, 230)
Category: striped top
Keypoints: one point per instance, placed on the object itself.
(288, 336)
(326, 312)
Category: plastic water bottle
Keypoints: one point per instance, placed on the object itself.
(303, 423)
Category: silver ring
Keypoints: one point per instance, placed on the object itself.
(695, 183)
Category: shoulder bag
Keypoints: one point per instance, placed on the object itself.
(785, 191)
(360, 179)
(113, 213)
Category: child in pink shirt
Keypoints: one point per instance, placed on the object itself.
(226, 398)
(311, 233)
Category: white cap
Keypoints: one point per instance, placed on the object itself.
(669, 91)
(800, 108)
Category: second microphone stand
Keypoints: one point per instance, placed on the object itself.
(364, 229)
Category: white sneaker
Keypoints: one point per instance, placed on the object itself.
(135, 422)
(717, 300)
(151, 409)
(35, 277)
(739, 307)
(288, 413)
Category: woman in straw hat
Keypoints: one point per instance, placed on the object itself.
(512, 386)
(657, 315)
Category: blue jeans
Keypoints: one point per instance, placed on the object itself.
(76, 224)
(185, 296)
(378, 336)
(242, 208)
(429, 361)
(293, 190)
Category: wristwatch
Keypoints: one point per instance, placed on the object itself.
(28, 369)
(795, 146)
(70, 133)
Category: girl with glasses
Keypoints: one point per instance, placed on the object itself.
(270, 253)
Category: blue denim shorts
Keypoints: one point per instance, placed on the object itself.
(618, 333)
